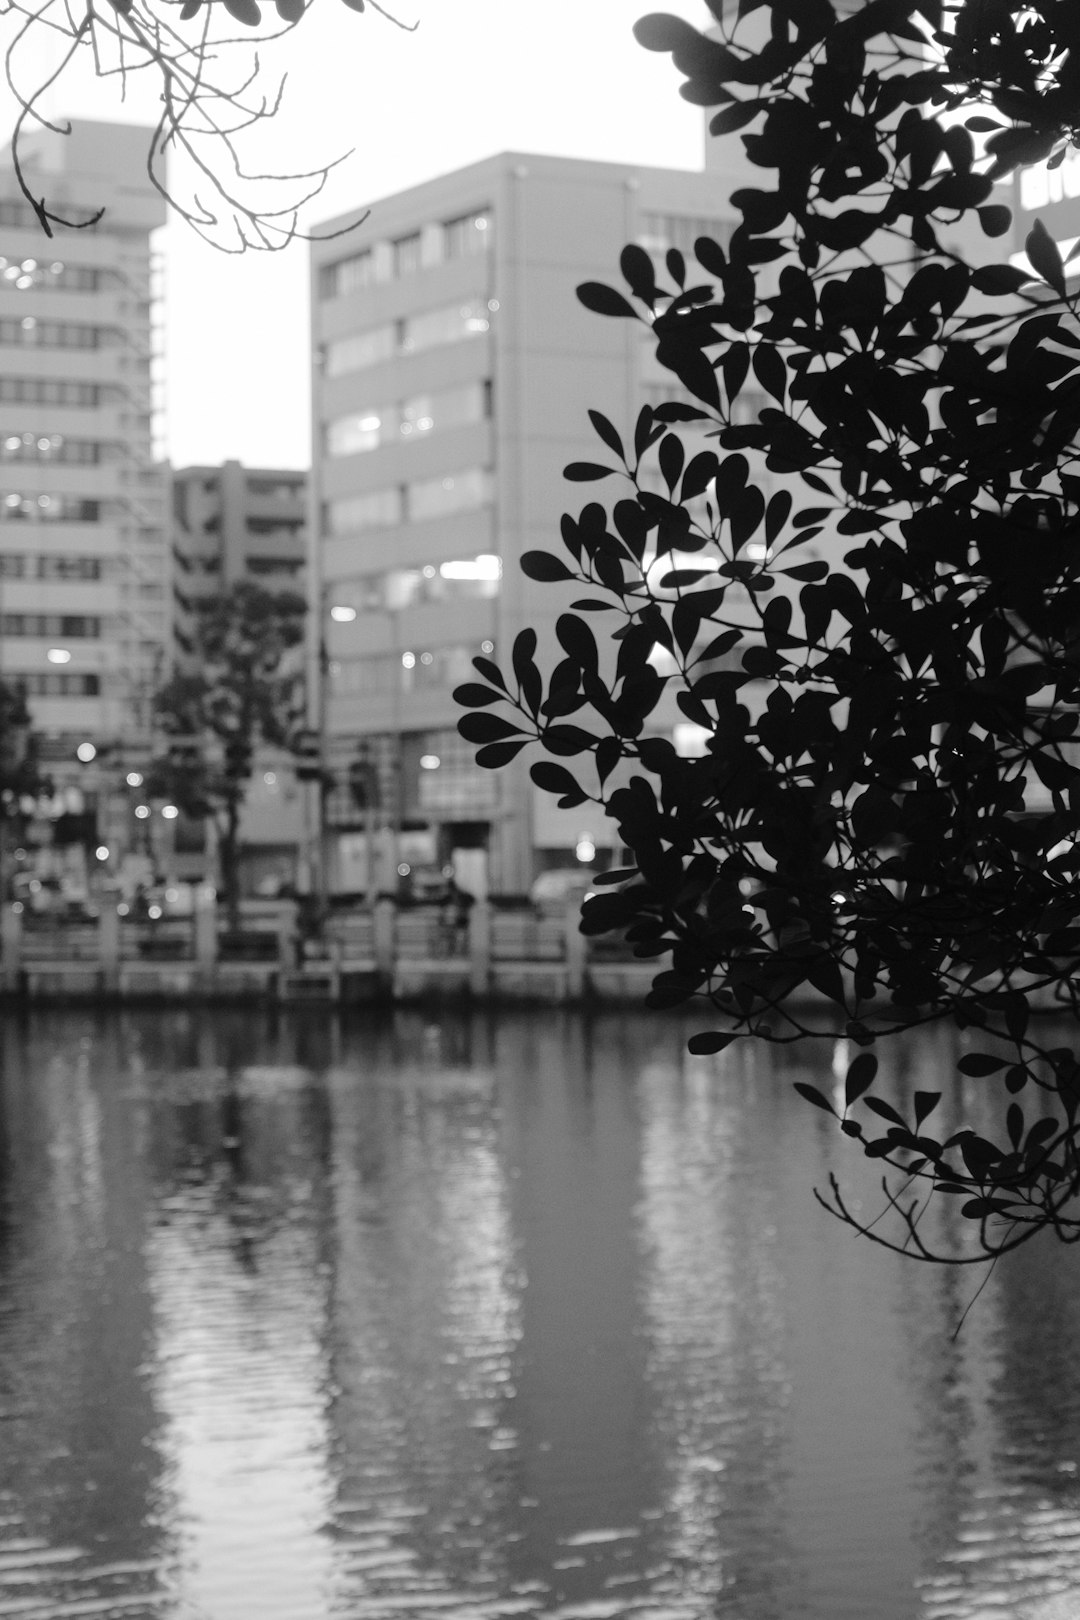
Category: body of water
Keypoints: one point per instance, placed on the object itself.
(463, 1318)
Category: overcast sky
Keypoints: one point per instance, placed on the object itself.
(477, 77)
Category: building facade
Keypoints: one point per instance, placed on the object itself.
(232, 523)
(84, 608)
(453, 372)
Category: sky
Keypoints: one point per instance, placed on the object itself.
(476, 77)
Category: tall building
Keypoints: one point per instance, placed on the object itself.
(454, 369)
(232, 523)
(83, 602)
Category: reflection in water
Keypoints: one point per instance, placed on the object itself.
(465, 1318)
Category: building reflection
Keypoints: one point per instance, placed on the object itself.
(425, 1317)
(84, 1493)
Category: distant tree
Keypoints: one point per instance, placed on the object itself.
(241, 688)
(211, 98)
(20, 772)
(885, 807)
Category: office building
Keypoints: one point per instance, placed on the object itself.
(454, 369)
(84, 621)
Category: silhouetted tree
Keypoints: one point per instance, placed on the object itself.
(240, 689)
(885, 804)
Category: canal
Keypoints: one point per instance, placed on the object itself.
(470, 1317)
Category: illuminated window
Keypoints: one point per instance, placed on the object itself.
(360, 430)
(658, 232)
(447, 324)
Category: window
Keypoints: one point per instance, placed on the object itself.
(447, 324)
(16, 508)
(49, 391)
(662, 231)
(453, 408)
(380, 508)
(49, 334)
(284, 527)
(276, 489)
(50, 447)
(360, 349)
(347, 275)
(458, 492)
(467, 237)
(415, 417)
(360, 430)
(76, 626)
(287, 567)
(30, 565)
(55, 275)
(40, 685)
(406, 252)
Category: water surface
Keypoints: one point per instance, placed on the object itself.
(466, 1318)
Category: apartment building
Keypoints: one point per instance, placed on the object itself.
(453, 372)
(233, 522)
(84, 611)
(230, 523)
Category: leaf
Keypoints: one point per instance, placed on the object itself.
(995, 218)
(861, 1074)
(813, 1095)
(604, 300)
(606, 431)
(496, 755)
(770, 370)
(980, 1063)
(290, 11)
(709, 1041)
(542, 566)
(1045, 257)
(925, 1102)
(583, 472)
(884, 1110)
(734, 116)
(554, 778)
(486, 728)
(474, 696)
(245, 11)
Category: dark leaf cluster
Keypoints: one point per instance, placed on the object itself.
(864, 593)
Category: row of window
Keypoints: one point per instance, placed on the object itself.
(658, 232)
(69, 625)
(30, 332)
(36, 684)
(32, 565)
(432, 327)
(49, 391)
(55, 276)
(465, 237)
(271, 567)
(50, 447)
(16, 508)
(435, 667)
(409, 503)
(411, 419)
(458, 579)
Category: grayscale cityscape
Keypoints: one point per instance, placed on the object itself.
(382, 1234)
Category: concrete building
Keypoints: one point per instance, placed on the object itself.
(230, 523)
(454, 369)
(84, 610)
(234, 522)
